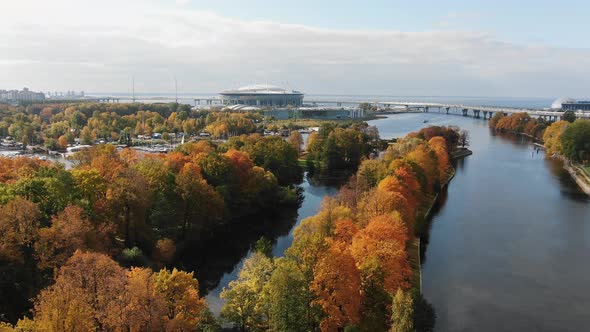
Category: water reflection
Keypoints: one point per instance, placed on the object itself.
(212, 258)
(217, 261)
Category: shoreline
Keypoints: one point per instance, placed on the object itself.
(578, 175)
(415, 248)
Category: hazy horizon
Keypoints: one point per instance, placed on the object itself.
(489, 48)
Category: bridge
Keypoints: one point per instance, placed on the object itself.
(465, 110)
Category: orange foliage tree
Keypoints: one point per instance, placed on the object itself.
(439, 146)
(384, 241)
(70, 230)
(337, 285)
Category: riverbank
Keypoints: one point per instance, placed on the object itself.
(414, 249)
(579, 175)
(460, 153)
(529, 204)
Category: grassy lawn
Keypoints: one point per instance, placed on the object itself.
(587, 169)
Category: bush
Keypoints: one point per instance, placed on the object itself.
(133, 257)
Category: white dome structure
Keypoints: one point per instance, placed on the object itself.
(262, 95)
(262, 88)
(557, 104)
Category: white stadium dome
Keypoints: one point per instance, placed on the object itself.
(261, 88)
(262, 95)
(559, 101)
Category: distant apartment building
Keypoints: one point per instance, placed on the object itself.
(18, 96)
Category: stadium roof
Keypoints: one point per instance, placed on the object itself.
(260, 89)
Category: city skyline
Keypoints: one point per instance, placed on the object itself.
(389, 48)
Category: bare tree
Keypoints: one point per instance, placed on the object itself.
(464, 138)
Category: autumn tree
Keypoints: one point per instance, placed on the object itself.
(552, 137)
(19, 223)
(402, 312)
(336, 284)
(309, 237)
(145, 308)
(244, 296)
(384, 240)
(91, 185)
(423, 156)
(439, 146)
(495, 119)
(164, 251)
(19, 226)
(183, 305)
(70, 230)
(202, 205)
(371, 171)
(85, 295)
(296, 140)
(128, 198)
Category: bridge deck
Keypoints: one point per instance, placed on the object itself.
(482, 108)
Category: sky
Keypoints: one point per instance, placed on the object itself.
(372, 47)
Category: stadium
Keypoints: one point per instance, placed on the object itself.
(262, 95)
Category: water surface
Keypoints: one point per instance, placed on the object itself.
(509, 242)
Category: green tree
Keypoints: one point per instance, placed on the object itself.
(276, 155)
(264, 246)
(569, 116)
(244, 300)
(288, 297)
(575, 141)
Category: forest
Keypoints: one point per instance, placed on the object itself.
(569, 137)
(134, 208)
(95, 246)
(55, 126)
(348, 268)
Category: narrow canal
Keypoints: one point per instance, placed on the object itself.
(279, 229)
(510, 239)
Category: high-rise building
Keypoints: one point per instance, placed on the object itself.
(24, 95)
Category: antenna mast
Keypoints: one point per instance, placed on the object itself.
(133, 89)
(176, 89)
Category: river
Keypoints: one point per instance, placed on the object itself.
(279, 229)
(507, 246)
(509, 240)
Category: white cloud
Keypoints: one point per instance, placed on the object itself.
(99, 46)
